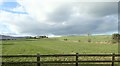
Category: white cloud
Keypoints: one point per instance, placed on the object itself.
(61, 17)
(19, 9)
(7, 0)
(1, 1)
(11, 20)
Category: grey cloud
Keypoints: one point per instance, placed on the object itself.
(104, 9)
(86, 26)
(100, 18)
(62, 13)
(98, 9)
(79, 25)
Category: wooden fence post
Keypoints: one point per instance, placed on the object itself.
(113, 59)
(38, 59)
(76, 59)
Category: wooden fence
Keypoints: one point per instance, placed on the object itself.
(76, 61)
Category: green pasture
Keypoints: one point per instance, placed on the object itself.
(85, 38)
(98, 44)
(59, 46)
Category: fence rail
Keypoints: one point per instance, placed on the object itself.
(76, 61)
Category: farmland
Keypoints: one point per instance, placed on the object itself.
(58, 45)
(99, 44)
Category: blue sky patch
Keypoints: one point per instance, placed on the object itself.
(15, 12)
(8, 6)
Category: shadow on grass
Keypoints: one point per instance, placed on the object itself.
(6, 44)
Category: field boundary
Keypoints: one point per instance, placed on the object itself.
(77, 61)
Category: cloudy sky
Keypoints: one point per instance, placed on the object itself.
(58, 17)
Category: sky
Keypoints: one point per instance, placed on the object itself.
(58, 17)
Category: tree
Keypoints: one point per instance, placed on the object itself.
(89, 38)
(115, 38)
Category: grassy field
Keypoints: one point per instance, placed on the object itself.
(99, 44)
(74, 44)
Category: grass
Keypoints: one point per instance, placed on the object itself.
(59, 46)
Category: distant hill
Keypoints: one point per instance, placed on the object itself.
(5, 37)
